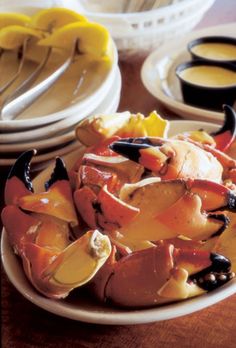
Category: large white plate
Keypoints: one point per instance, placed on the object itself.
(158, 74)
(109, 105)
(79, 307)
(69, 95)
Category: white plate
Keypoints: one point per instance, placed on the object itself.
(44, 134)
(90, 89)
(86, 309)
(158, 74)
(109, 106)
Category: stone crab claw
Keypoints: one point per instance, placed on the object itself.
(226, 134)
(221, 139)
(52, 263)
(170, 158)
(176, 207)
(56, 200)
(158, 275)
(38, 227)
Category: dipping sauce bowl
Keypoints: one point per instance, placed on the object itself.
(207, 84)
(214, 48)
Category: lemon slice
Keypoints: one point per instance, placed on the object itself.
(7, 19)
(13, 36)
(92, 38)
(54, 18)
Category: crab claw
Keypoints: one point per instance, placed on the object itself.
(217, 274)
(21, 228)
(57, 201)
(56, 274)
(158, 275)
(169, 208)
(18, 182)
(214, 196)
(226, 134)
(170, 158)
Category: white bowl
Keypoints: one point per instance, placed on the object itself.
(50, 108)
(84, 308)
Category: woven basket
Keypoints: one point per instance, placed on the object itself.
(143, 31)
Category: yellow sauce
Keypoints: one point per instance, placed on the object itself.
(209, 76)
(215, 51)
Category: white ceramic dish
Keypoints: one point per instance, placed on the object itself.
(110, 107)
(48, 135)
(80, 100)
(158, 74)
(87, 310)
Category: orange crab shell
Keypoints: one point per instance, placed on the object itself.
(149, 277)
(57, 201)
(20, 227)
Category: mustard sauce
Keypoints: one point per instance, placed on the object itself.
(209, 76)
(215, 51)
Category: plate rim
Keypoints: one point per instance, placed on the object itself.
(119, 317)
(180, 108)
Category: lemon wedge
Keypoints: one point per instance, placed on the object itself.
(13, 36)
(92, 38)
(7, 19)
(54, 18)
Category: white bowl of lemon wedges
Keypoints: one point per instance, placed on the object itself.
(90, 84)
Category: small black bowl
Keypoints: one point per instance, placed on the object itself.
(211, 40)
(204, 96)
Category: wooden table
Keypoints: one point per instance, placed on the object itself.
(25, 325)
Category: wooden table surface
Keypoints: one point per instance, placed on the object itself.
(25, 325)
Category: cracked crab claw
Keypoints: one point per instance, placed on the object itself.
(79, 262)
(56, 201)
(170, 158)
(55, 274)
(169, 208)
(160, 274)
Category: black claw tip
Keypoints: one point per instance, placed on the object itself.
(128, 149)
(220, 263)
(59, 173)
(229, 121)
(231, 201)
(214, 276)
(222, 218)
(21, 168)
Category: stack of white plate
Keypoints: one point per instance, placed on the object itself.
(48, 125)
